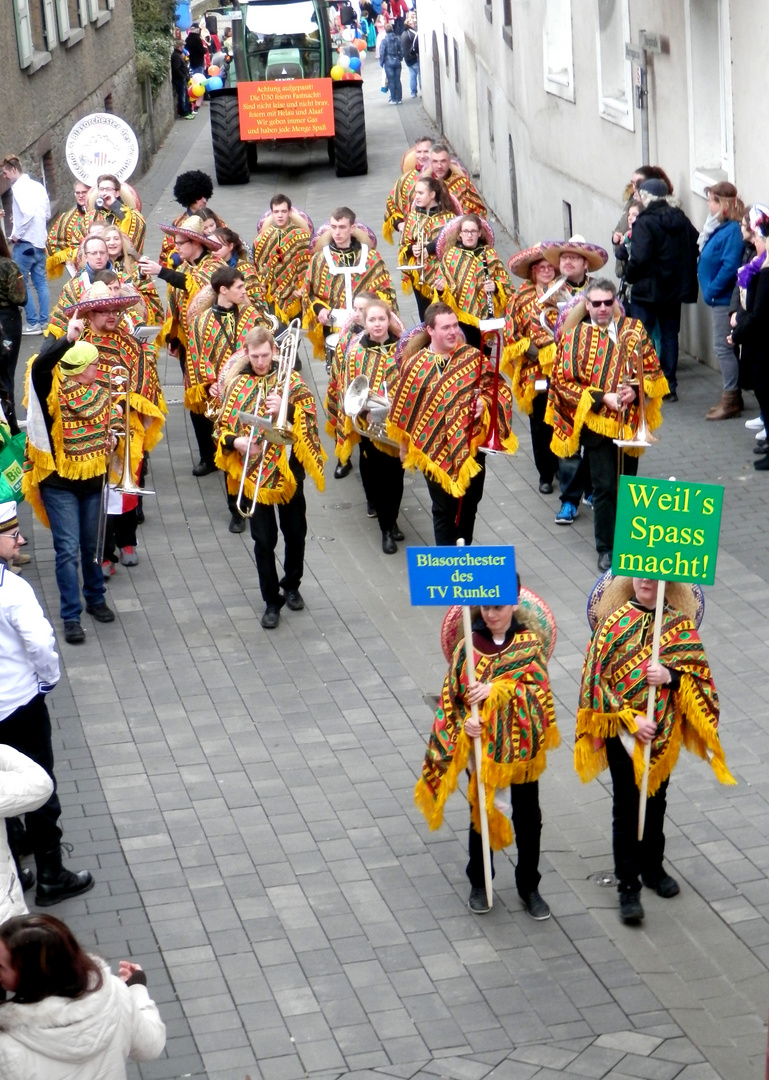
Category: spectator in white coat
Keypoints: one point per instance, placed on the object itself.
(24, 786)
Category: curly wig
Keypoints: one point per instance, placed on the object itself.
(193, 185)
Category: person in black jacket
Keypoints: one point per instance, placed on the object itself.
(410, 47)
(750, 327)
(662, 270)
(391, 59)
(180, 74)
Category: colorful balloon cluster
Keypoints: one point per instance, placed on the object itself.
(348, 67)
(199, 84)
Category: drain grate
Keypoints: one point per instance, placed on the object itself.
(337, 506)
(321, 537)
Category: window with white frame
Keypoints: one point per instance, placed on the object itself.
(557, 49)
(708, 54)
(71, 16)
(36, 32)
(615, 74)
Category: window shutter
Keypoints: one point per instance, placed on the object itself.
(111, 5)
(93, 9)
(49, 18)
(82, 7)
(23, 32)
(62, 13)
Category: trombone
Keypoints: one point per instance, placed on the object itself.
(633, 376)
(279, 431)
(119, 386)
(248, 511)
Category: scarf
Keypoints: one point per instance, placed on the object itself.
(710, 226)
(746, 273)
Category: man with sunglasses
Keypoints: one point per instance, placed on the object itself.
(593, 397)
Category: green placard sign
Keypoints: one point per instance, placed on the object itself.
(667, 529)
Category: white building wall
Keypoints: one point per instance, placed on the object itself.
(563, 97)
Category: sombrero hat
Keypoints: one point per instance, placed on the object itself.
(99, 298)
(574, 311)
(192, 228)
(609, 593)
(322, 237)
(521, 264)
(533, 612)
(410, 343)
(449, 234)
(575, 245)
(296, 217)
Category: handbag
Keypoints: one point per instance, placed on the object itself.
(11, 464)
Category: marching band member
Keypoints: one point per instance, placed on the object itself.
(274, 473)
(192, 190)
(124, 260)
(591, 401)
(91, 258)
(399, 200)
(441, 414)
(471, 278)
(372, 355)
(454, 175)
(432, 208)
(113, 203)
(282, 256)
(234, 254)
(343, 261)
(530, 352)
(66, 233)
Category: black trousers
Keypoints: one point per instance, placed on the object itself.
(382, 477)
(121, 532)
(601, 453)
(423, 303)
(445, 508)
(541, 437)
(201, 425)
(28, 730)
(527, 826)
(264, 532)
(10, 343)
(633, 858)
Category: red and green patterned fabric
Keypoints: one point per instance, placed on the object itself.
(212, 338)
(281, 259)
(465, 272)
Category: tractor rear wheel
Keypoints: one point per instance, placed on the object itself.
(230, 154)
(350, 123)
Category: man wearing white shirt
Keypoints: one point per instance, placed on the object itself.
(31, 210)
(30, 670)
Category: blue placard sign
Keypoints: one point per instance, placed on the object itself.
(457, 575)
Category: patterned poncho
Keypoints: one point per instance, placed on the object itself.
(588, 362)
(327, 288)
(433, 402)
(64, 238)
(73, 292)
(281, 258)
(377, 363)
(464, 191)
(213, 337)
(333, 404)
(399, 203)
(131, 223)
(524, 317)
(168, 247)
(429, 224)
(148, 408)
(465, 272)
(614, 691)
(197, 276)
(518, 728)
(278, 483)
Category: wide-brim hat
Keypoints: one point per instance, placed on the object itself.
(99, 298)
(533, 612)
(522, 263)
(575, 311)
(192, 228)
(449, 234)
(609, 593)
(322, 237)
(576, 245)
(129, 196)
(296, 217)
(410, 343)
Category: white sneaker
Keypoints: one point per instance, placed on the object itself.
(760, 434)
(754, 424)
(32, 329)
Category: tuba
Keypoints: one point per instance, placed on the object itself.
(368, 411)
(633, 375)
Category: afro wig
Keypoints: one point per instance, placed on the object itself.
(191, 186)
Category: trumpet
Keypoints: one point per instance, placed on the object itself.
(360, 399)
(419, 241)
(633, 376)
(248, 511)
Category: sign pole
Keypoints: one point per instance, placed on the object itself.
(650, 706)
(470, 661)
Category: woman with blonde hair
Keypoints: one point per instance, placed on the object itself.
(720, 244)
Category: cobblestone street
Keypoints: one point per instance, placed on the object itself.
(245, 799)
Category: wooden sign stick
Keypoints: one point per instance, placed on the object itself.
(650, 707)
(471, 679)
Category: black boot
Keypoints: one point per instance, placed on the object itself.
(55, 883)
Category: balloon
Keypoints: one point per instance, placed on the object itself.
(198, 90)
(348, 34)
(213, 70)
(214, 83)
(336, 72)
(344, 60)
(198, 78)
(354, 63)
(361, 45)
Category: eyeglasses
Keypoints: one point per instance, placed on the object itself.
(109, 187)
(12, 535)
(601, 303)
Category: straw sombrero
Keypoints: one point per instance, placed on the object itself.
(533, 612)
(609, 593)
(322, 237)
(410, 343)
(575, 245)
(449, 234)
(99, 298)
(521, 264)
(192, 228)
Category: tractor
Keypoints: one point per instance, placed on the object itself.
(278, 40)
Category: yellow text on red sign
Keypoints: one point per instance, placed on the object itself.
(286, 109)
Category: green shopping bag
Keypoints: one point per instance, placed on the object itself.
(11, 459)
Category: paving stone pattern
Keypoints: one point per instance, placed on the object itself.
(245, 798)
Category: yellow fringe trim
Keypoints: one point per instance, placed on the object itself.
(150, 435)
(406, 285)
(165, 333)
(315, 334)
(52, 330)
(54, 264)
(196, 397)
(304, 454)
(415, 459)
(463, 316)
(588, 761)
(31, 491)
(432, 808)
(567, 447)
(510, 354)
(388, 230)
(699, 736)
(547, 359)
(286, 314)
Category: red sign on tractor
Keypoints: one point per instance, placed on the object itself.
(286, 109)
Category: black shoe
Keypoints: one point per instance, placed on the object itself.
(672, 396)
(342, 470)
(100, 612)
(271, 616)
(140, 511)
(389, 547)
(545, 488)
(203, 468)
(664, 885)
(237, 523)
(55, 883)
(74, 634)
(26, 878)
(762, 464)
(604, 561)
(478, 903)
(397, 534)
(370, 509)
(294, 600)
(538, 908)
(630, 907)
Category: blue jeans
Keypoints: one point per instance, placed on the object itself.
(667, 317)
(414, 77)
(31, 261)
(394, 80)
(74, 518)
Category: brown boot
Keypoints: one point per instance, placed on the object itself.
(727, 407)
